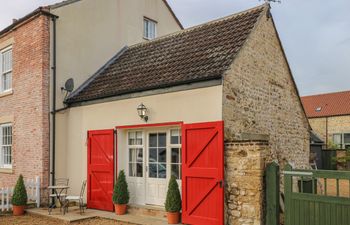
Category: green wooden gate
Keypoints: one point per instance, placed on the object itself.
(316, 197)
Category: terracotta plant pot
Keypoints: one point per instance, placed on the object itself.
(120, 209)
(18, 210)
(173, 217)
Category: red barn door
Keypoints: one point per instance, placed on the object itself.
(203, 174)
(100, 169)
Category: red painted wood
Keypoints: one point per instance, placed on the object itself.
(150, 125)
(202, 172)
(100, 175)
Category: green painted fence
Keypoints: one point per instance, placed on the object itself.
(322, 204)
(272, 179)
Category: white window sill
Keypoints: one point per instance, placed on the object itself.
(6, 93)
(6, 170)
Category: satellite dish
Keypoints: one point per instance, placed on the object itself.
(69, 85)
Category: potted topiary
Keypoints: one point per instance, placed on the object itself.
(120, 194)
(19, 197)
(173, 202)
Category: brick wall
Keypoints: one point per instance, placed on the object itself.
(28, 105)
(261, 101)
(244, 175)
(336, 124)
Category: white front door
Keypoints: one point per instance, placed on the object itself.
(152, 162)
(156, 177)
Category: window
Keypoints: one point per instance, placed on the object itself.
(6, 69)
(135, 149)
(157, 155)
(347, 141)
(337, 140)
(175, 146)
(342, 141)
(149, 29)
(6, 146)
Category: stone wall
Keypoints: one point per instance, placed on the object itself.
(244, 176)
(336, 125)
(260, 98)
(27, 106)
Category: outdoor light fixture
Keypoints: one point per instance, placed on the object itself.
(142, 111)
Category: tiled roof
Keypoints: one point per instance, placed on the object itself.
(331, 104)
(197, 54)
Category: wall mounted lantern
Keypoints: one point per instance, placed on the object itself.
(142, 111)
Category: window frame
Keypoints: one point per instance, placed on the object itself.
(2, 153)
(342, 144)
(178, 146)
(135, 146)
(146, 35)
(10, 71)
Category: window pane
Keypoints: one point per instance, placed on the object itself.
(161, 170)
(161, 139)
(162, 155)
(149, 29)
(175, 170)
(135, 170)
(6, 81)
(135, 155)
(139, 167)
(337, 139)
(152, 170)
(7, 61)
(6, 148)
(152, 155)
(175, 155)
(153, 140)
(132, 137)
(346, 138)
(139, 138)
(145, 28)
(174, 139)
(140, 155)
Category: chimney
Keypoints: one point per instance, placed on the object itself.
(14, 20)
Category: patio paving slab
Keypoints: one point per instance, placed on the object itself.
(73, 216)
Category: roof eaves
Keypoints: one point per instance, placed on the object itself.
(187, 82)
(329, 115)
(98, 72)
(23, 20)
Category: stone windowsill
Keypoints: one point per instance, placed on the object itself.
(6, 93)
(6, 170)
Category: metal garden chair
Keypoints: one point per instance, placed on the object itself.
(59, 182)
(79, 199)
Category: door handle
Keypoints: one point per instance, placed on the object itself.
(221, 183)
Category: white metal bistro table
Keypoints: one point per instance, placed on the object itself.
(58, 190)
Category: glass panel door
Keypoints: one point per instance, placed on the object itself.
(157, 154)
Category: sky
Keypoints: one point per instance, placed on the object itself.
(315, 33)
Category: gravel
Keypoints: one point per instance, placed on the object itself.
(37, 220)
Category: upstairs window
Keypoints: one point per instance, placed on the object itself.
(149, 29)
(6, 146)
(6, 69)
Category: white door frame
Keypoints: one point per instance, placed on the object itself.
(140, 184)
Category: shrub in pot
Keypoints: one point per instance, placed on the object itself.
(173, 202)
(121, 194)
(19, 197)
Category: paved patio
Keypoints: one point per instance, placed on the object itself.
(74, 215)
